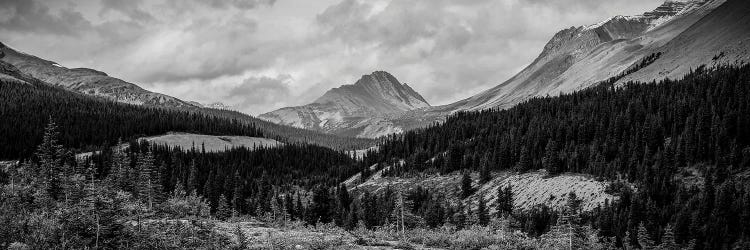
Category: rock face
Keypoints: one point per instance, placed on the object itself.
(86, 81)
(363, 109)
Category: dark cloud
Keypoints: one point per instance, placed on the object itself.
(29, 16)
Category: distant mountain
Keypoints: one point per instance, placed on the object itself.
(362, 109)
(213, 105)
(86, 81)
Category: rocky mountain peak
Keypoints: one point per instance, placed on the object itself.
(360, 109)
(379, 88)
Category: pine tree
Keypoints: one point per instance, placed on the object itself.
(504, 201)
(524, 160)
(237, 194)
(118, 173)
(644, 240)
(50, 167)
(146, 181)
(352, 218)
(321, 207)
(192, 183)
(551, 159)
(224, 211)
(484, 174)
(668, 241)
(289, 205)
(466, 189)
(482, 214)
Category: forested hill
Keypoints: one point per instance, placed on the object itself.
(656, 135)
(87, 122)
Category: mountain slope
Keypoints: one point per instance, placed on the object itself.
(685, 34)
(578, 57)
(87, 81)
(361, 109)
(722, 37)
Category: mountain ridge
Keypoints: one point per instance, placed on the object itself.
(87, 81)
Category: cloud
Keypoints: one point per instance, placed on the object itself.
(260, 91)
(26, 16)
(265, 54)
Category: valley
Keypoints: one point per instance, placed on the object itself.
(631, 133)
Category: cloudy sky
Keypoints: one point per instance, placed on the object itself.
(259, 55)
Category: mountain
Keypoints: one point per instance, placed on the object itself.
(676, 37)
(578, 57)
(362, 109)
(86, 81)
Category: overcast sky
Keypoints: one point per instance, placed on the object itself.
(259, 55)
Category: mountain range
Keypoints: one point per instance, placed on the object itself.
(22, 68)
(678, 36)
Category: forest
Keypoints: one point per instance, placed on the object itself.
(676, 152)
(88, 122)
(655, 135)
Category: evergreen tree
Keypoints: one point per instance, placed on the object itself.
(466, 189)
(550, 161)
(49, 154)
(352, 218)
(485, 165)
(321, 210)
(193, 177)
(668, 240)
(504, 201)
(224, 211)
(644, 240)
(119, 168)
(482, 214)
(146, 182)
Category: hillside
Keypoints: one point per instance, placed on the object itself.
(86, 81)
(89, 123)
(529, 189)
